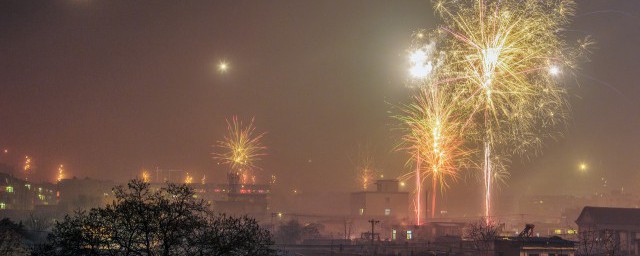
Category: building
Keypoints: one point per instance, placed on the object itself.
(387, 205)
(606, 230)
(387, 201)
(240, 199)
(15, 194)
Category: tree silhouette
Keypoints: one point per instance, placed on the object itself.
(165, 221)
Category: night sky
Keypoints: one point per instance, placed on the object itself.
(110, 87)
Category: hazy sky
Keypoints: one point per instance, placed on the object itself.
(110, 87)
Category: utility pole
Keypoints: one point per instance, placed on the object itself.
(373, 224)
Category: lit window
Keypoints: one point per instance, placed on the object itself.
(361, 211)
(28, 186)
(41, 197)
(387, 212)
(393, 234)
(9, 189)
(558, 231)
(3, 206)
(409, 235)
(571, 232)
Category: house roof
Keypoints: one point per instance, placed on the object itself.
(609, 215)
(553, 241)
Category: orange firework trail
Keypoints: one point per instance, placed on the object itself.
(433, 125)
(146, 177)
(434, 138)
(241, 148)
(365, 169)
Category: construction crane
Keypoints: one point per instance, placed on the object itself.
(527, 232)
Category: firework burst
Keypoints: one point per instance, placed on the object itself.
(365, 168)
(434, 139)
(502, 58)
(241, 148)
(146, 177)
(60, 173)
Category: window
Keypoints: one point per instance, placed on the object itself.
(3, 206)
(409, 235)
(9, 189)
(393, 234)
(387, 212)
(361, 211)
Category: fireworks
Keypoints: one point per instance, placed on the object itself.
(365, 170)
(241, 148)
(365, 178)
(493, 83)
(188, 179)
(434, 139)
(27, 165)
(223, 67)
(503, 56)
(60, 173)
(145, 176)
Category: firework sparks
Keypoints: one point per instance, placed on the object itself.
(60, 173)
(223, 67)
(502, 57)
(145, 176)
(241, 149)
(433, 129)
(364, 166)
(27, 166)
(434, 139)
(366, 177)
(188, 179)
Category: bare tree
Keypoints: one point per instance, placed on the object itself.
(231, 236)
(592, 242)
(12, 236)
(37, 222)
(482, 234)
(166, 221)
